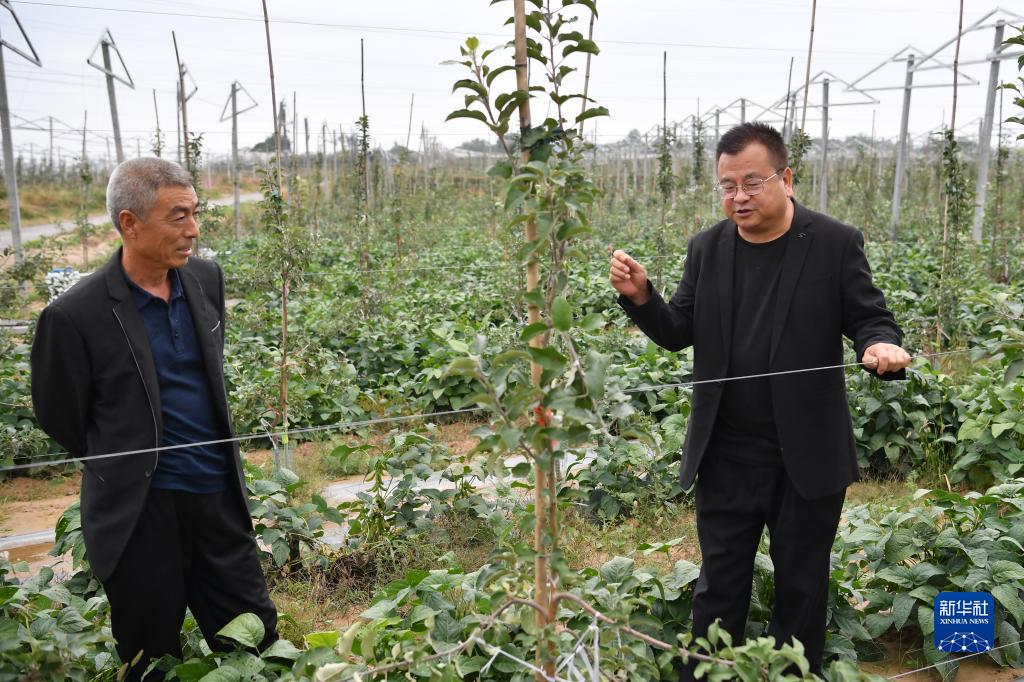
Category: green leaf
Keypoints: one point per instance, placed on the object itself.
(617, 570)
(561, 314)
(70, 620)
(585, 45)
(1013, 370)
(280, 551)
(382, 609)
(999, 428)
(926, 619)
(282, 648)
(683, 573)
(877, 624)
(1006, 571)
(548, 358)
(246, 629)
(494, 73)
(461, 367)
(193, 670)
(468, 113)
(969, 430)
(468, 84)
(246, 664)
(501, 169)
(902, 605)
(592, 322)
(326, 638)
(1009, 597)
(222, 675)
(532, 330)
(592, 113)
(514, 196)
(597, 368)
(446, 629)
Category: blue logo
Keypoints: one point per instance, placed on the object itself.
(964, 622)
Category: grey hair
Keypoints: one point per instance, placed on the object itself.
(134, 184)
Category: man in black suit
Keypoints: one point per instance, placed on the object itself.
(131, 359)
(771, 289)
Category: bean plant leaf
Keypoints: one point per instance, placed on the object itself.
(282, 648)
(1008, 596)
(617, 570)
(328, 638)
(246, 629)
(901, 608)
(223, 674)
(1013, 370)
(192, 671)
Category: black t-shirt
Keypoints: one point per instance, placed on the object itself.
(745, 428)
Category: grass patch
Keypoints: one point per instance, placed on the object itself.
(890, 492)
(590, 543)
(334, 596)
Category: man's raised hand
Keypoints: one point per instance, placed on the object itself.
(629, 278)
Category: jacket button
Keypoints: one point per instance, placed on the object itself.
(148, 473)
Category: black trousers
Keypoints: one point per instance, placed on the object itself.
(187, 550)
(735, 501)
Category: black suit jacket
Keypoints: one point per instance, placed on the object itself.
(825, 292)
(95, 391)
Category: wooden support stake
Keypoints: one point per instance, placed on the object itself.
(542, 484)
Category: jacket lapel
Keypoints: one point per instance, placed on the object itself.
(801, 233)
(128, 318)
(206, 323)
(725, 265)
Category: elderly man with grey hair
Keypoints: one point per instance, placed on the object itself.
(127, 374)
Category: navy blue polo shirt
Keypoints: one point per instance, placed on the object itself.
(185, 399)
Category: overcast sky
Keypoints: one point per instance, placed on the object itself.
(717, 52)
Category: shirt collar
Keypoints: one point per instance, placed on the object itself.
(143, 298)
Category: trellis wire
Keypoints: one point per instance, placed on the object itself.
(411, 417)
(955, 660)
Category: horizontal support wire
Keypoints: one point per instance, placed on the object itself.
(688, 384)
(411, 417)
(958, 659)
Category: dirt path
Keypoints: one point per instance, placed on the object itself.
(33, 516)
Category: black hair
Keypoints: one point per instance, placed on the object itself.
(742, 136)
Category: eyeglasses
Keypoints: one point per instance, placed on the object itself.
(750, 187)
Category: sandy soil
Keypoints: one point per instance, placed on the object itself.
(33, 515)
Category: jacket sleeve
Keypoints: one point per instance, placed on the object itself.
(670, 325)
(61, 385)
(866, 319)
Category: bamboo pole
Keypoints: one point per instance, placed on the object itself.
(807, 73)
(945, 202)
(273, 96)
(586, 76)
(285, 284)
(182, 102)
